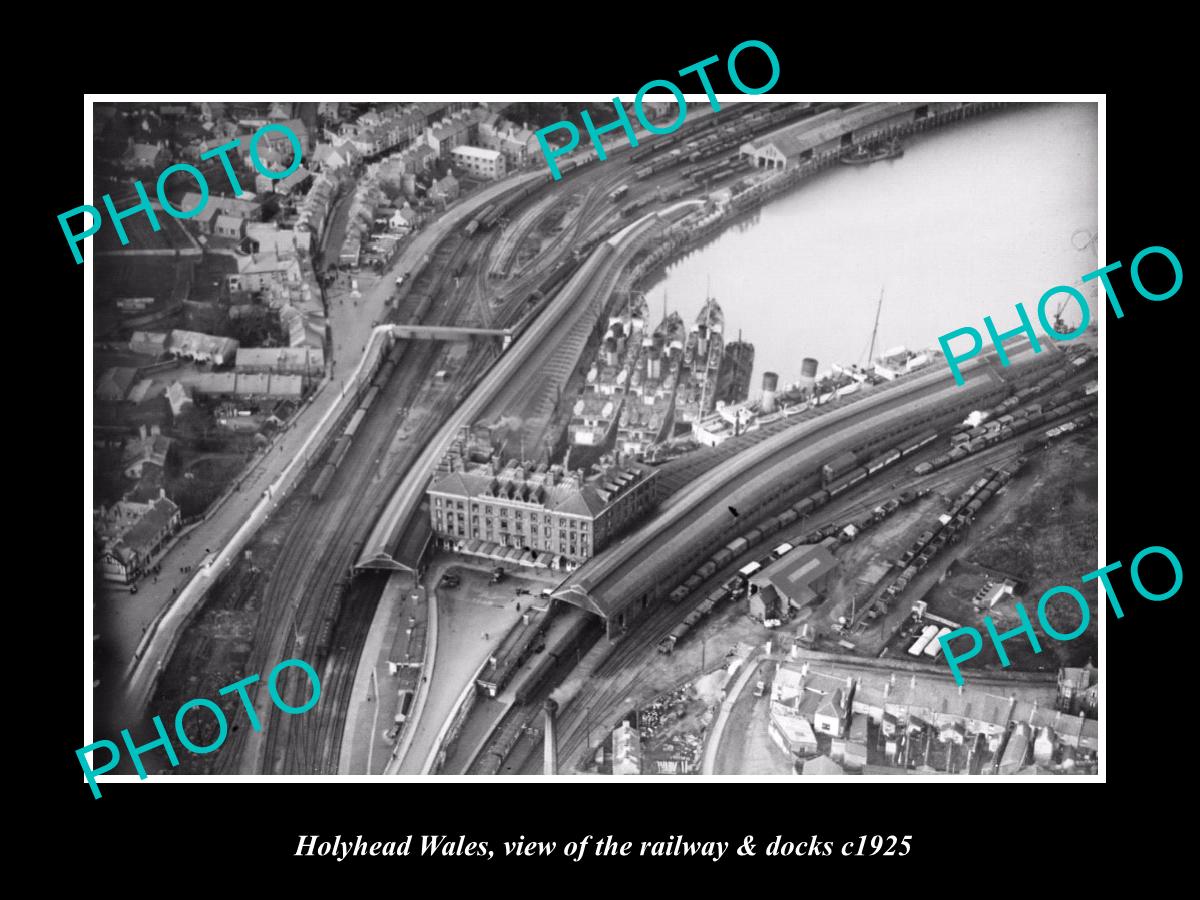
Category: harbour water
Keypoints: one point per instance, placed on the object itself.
(972, 219)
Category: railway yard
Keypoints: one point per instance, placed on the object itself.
(926, 521)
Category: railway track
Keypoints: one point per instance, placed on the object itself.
(303, 587)
(637, 650)
(318, 549)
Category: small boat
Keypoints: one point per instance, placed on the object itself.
(869, 153)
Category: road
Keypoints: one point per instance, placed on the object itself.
(164, 605)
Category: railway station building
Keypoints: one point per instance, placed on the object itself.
(543, 516)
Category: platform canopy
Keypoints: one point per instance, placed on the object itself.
(382, 562)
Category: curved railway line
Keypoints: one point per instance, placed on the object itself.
(643, 638)
(759, 477)
(305, 588)
(311, 743)
(602, 695)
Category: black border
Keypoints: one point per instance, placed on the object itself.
(254, 828)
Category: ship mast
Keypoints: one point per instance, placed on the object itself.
(875, 330)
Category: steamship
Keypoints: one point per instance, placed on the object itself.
(702, 360)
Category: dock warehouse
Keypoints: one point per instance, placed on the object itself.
(832, 130)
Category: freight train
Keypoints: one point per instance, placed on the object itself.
(840, 473)
(329, 622)
(342, 445)
(945, 531)
(728, 137)
(1010, 419)
(849, 468)
(486, 218)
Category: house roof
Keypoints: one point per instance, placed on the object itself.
(260, 263)
(795, 729)
(115, 383)
(1017, 747)
(214, 383)
(832, 704)
(476, 153)
(289, 182)
(154, 340)
(144, 154)
(253, 384)
(194, 342)
(227, 222)
(145, 389)
(144, 533)
(280, 357)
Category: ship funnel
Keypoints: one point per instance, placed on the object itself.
(770, 384)
(808, 373)
(610, 351)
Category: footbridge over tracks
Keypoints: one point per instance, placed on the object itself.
(593, 276)
(451, 333)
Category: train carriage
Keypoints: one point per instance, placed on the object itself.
(370, 397)
(322, 483)
(514, 649)
(804, 507)
(722, 557)
(787, 517)
(355, 421)
(339, 450)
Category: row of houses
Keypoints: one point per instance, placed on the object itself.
(301, 359)
(151, 151)
(1019, 733)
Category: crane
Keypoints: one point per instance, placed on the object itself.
(1059, 325)
(875, 330)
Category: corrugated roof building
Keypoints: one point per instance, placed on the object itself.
(798, 577)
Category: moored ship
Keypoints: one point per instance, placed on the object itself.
(874, 152)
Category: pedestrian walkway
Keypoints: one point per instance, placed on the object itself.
(472, 621)
(713, 738)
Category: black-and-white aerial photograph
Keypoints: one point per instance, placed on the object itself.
(461, 437)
